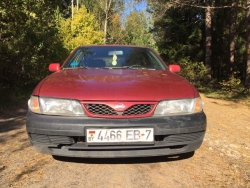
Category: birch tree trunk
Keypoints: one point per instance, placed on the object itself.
(106, 10)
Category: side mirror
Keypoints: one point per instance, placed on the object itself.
(174, 68)
(54, 67)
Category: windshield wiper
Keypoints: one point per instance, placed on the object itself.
(80, 67)
(137, 67)
(83, 67)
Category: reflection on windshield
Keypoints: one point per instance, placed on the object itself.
(114, 57)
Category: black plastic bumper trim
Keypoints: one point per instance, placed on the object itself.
(75, 126)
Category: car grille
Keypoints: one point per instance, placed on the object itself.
(183, 137)
(105, 110)
(138, 109)
(51, 139)
(101, 109)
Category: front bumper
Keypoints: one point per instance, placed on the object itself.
(65, 136)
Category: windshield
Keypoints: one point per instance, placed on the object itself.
(114, 57)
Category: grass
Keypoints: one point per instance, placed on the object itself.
(238, 95)
(13, 96)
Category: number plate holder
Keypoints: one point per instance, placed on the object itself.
(116, 136)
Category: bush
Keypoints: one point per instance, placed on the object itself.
(13, 96)
(232, 84)
(193, 71)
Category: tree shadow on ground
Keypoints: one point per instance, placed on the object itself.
(233, 105)
(13, 118)
(134, 160)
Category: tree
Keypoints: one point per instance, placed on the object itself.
(28, 41)
(82, 29)
(232, 37)
(179, 34)
(224, 39)
(109, 7)
(116, 34)
(208, 28)
(107, 13)
(137, 31)
(247, 81)
(104, 11)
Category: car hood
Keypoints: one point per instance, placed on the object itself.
(115, 85)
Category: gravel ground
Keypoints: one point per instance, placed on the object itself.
(222, 161)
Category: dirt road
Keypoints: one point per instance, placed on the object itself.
(222, 161)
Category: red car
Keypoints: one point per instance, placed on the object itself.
(115, 101)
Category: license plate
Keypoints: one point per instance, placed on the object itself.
(144, 135)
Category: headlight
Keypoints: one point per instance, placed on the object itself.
(179, 107)
(53, 106)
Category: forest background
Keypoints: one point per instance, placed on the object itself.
(209, 39)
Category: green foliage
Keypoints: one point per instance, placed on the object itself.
(106, 11)
(179, 39)
(12, 96)
(221, 45)
(82, 29)
(35, 33)
(29, 41)
(239, 95)
(116, 32)
(179, 35)
(193, 71)
(232, 84)
(137, 31)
